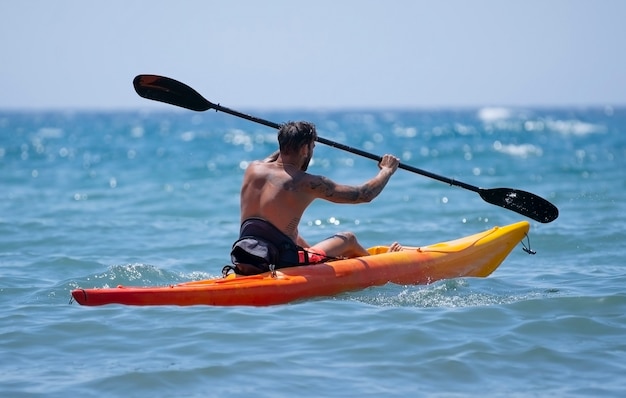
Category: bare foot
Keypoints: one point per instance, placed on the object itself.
(395, 247)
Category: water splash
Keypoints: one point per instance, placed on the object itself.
(452, 293)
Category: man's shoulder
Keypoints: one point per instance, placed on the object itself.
(258, 164)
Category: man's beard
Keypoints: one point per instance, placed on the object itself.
(305, 165)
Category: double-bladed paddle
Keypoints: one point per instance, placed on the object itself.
(170, 91)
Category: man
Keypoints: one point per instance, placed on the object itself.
(276, 192)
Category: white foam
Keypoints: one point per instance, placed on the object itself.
(574, 127)
(522, 150)
(491, 114)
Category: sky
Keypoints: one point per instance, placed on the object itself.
(322, 54)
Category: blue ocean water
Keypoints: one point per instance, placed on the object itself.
(151, 197)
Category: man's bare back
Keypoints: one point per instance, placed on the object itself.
(275, 192)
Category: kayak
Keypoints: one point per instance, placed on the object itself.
(477, 255)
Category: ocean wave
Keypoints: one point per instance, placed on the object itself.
(574, 127)
(522, 150)
(491, 114)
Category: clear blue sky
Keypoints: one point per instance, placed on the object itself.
(315, 54)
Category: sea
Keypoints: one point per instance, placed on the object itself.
(151, 197)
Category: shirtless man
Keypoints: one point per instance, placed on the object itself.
(276, 192)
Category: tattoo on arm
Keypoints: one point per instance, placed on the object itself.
(355, 194)
(367, 192)
(328, 189)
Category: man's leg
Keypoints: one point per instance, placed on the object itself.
(342, 244)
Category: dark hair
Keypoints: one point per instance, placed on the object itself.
(294, 135)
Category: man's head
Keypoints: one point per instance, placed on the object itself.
(292, 136)
(298, 138)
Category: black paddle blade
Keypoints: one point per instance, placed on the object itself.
(170, 91)
(522, 202)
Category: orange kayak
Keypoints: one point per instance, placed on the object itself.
(472, 256)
